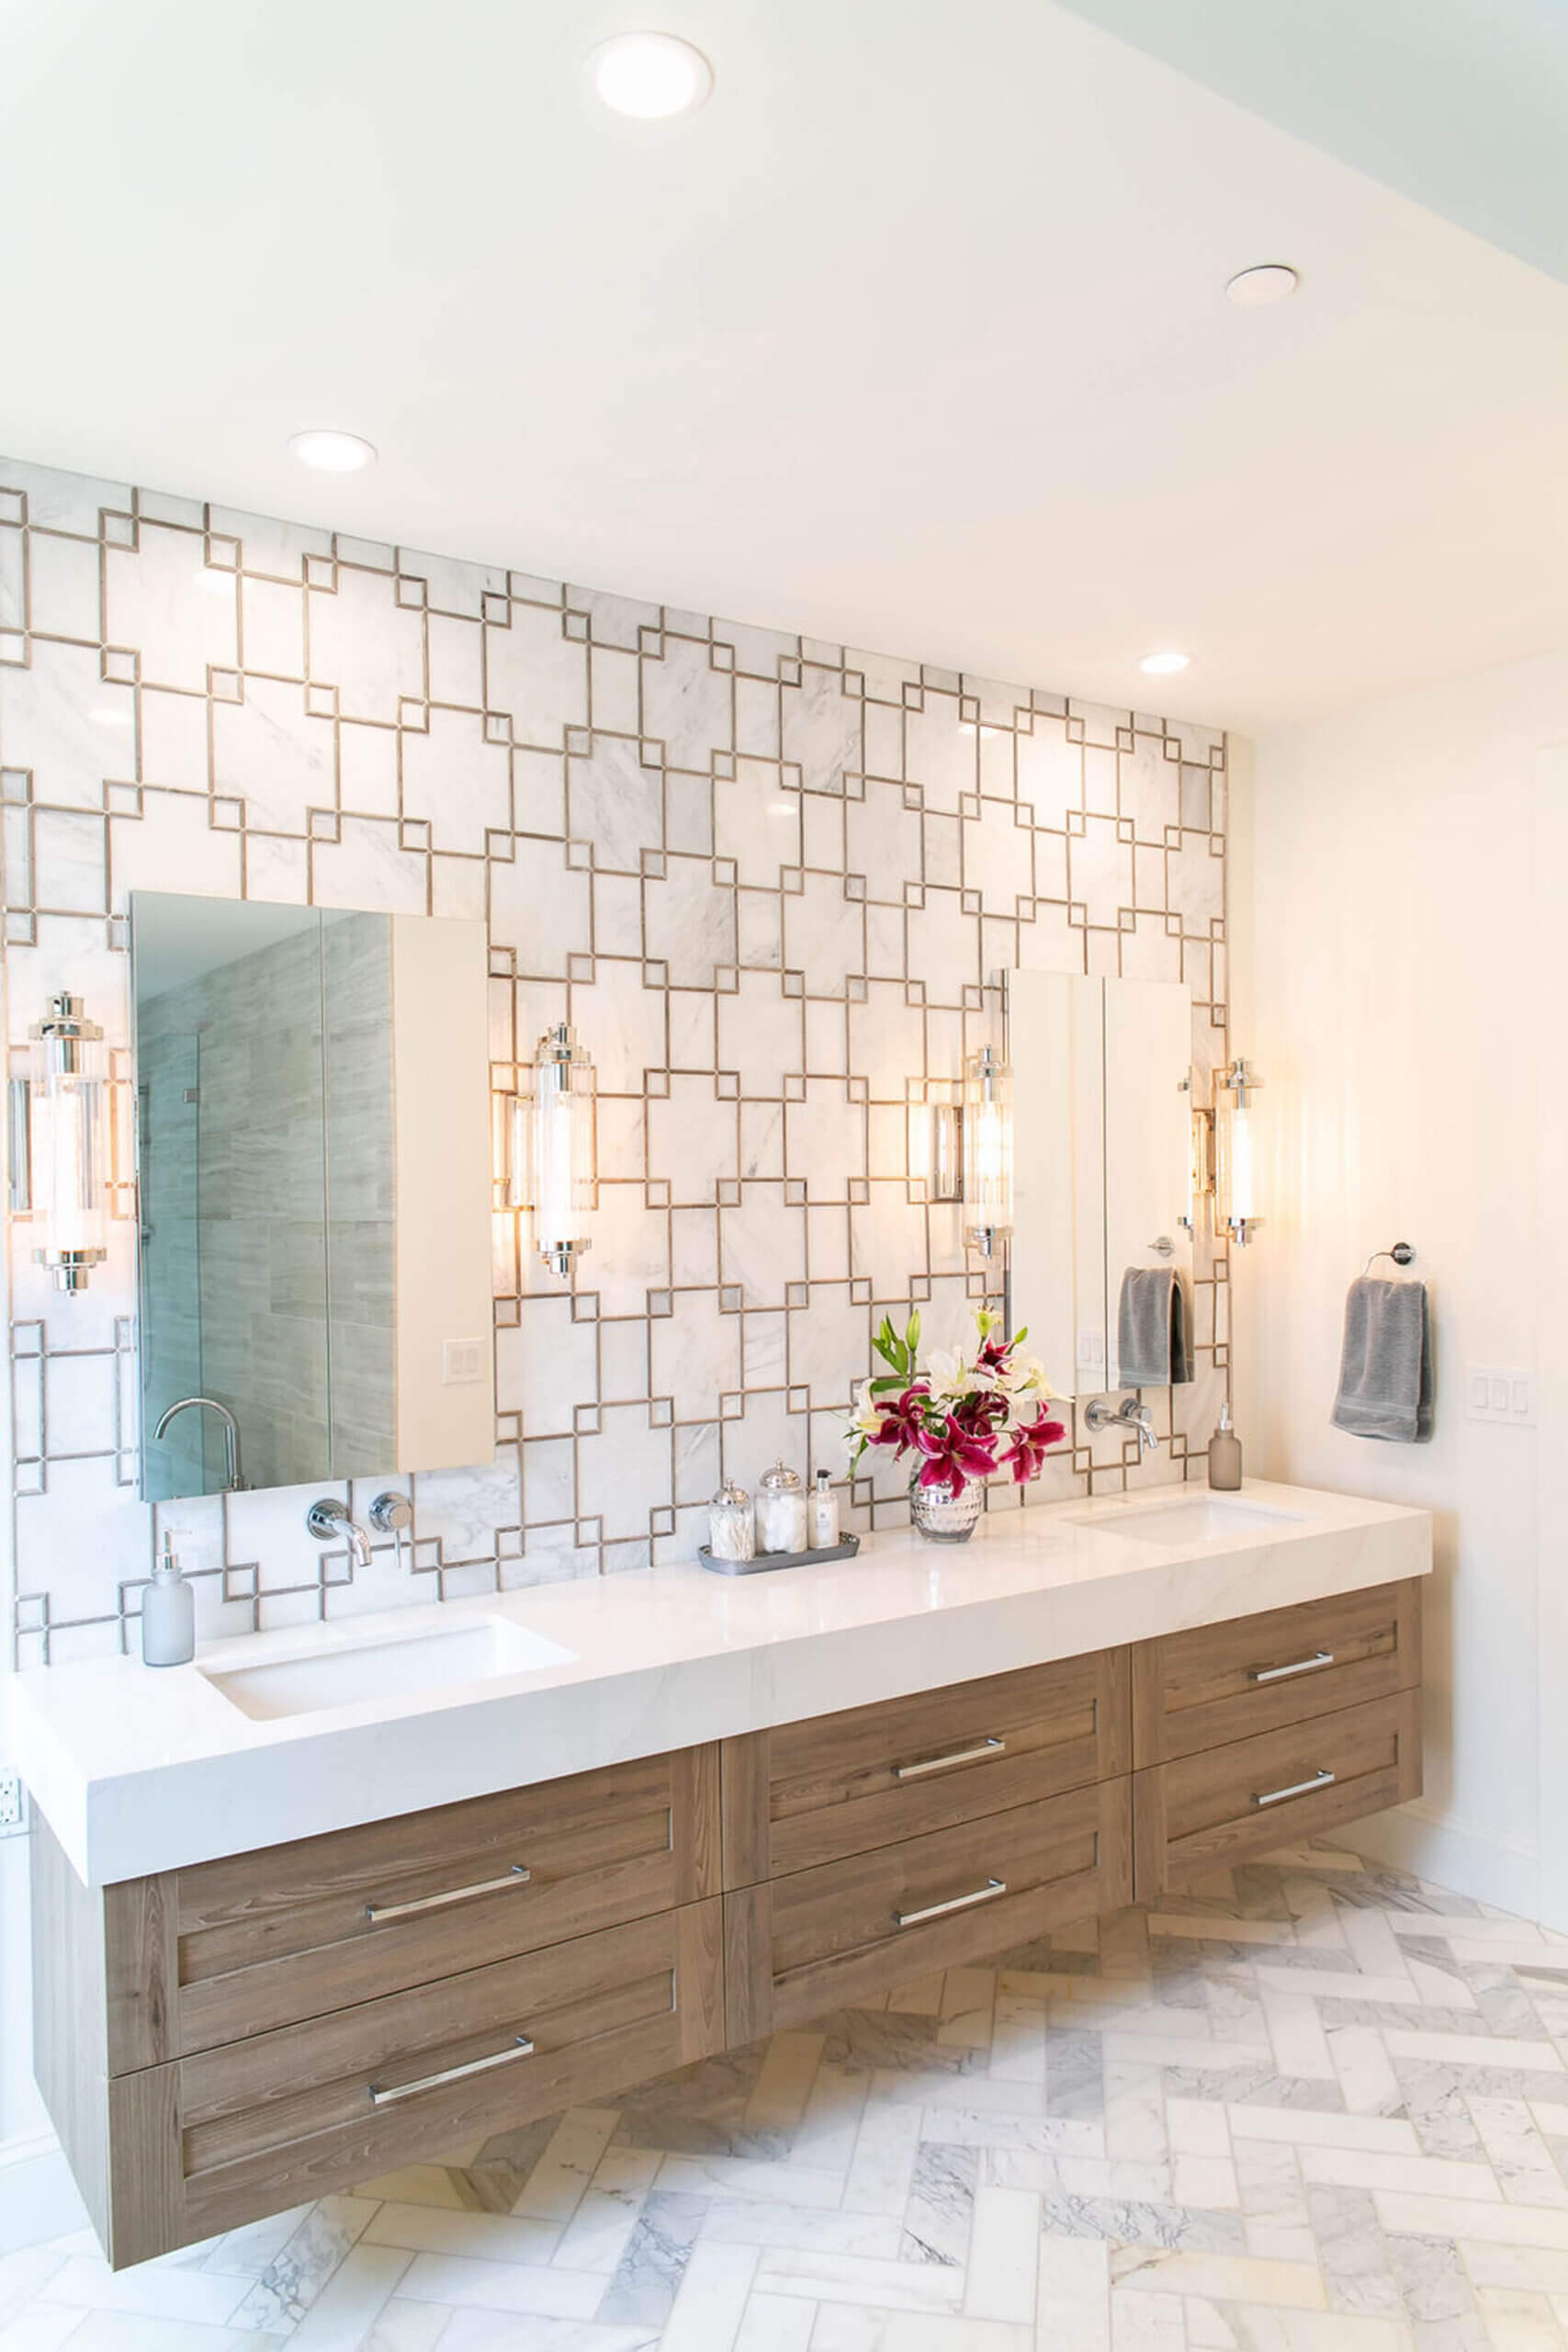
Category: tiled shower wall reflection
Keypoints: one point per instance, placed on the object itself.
(771, 880)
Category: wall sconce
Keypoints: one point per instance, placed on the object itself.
(553, 1153)
(962, 1145)
(60, 1142)
(1223, 1156)
(988, 1148)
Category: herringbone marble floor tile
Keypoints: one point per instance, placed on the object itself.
(1312, 2106)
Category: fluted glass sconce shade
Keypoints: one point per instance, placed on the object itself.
(60, 1142)
(988, 1148)
(1236, 1172)
(553, 1148)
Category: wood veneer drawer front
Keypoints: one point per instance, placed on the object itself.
(829, 1936)
(1216, 1683)
(287, 2116)
(1231, 1804)
(266, 1939)
(849, 1783)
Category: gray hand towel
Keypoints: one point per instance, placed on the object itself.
(1153, 1347)
(1385, 1373)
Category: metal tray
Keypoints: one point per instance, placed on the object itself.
(844, 1550)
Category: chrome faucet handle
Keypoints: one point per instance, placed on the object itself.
(392, 1514)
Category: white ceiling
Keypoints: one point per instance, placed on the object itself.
(1461, 104)
(914, 338)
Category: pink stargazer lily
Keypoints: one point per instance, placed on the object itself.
(1031, 1441)
(954, 1457)
(903, 1420)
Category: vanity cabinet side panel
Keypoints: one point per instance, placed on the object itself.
(70, 2017)
(697, 1822)
(147, 2205)
(143, 1962)
(749, 1964)
(1115, 1712)
(745, 1771)
(699, 1978)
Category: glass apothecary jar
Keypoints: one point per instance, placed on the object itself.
(780, 1510)
(731, 1532)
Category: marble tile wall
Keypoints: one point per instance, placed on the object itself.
(771, 880)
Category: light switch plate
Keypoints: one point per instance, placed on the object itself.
(1495, 1393)
(461, 1359)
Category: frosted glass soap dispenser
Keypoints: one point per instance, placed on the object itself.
(1225, 1454)
(168, 1615)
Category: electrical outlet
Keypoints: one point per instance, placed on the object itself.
(13, 1806)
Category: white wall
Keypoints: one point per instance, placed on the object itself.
(1401, 948)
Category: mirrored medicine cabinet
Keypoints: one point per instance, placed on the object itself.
(313, 1163)
(1102, 1158)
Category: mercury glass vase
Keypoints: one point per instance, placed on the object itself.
(941, 1517)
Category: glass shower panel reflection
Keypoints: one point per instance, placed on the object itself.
(247, 1247)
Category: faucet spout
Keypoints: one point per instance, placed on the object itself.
(235, 1480)
(1129, 1415)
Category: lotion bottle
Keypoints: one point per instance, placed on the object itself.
(168, 1615)
(824, 1514)
(1225, 1454)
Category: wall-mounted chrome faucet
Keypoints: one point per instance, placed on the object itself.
(329, 1522)
(1129, 1415)
(235, 1479)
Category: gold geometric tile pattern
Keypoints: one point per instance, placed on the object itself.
(771, 880)
(1312, 2106)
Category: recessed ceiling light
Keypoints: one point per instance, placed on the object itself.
(649, 74)
(333, 453)
(1164, 665)
(1269, 282)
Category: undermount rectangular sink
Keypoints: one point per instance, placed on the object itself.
(1206, 1521)
(395, 1667)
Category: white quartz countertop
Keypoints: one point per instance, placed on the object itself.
(137, 1771)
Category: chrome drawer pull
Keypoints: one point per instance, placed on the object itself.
(1296, 1789)
(524, 2049)
(986, 1894)
(1297, 1666)
(945, 1763)
(379, 1912)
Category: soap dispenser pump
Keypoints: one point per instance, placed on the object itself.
(1225, 1454)
(168, 1614)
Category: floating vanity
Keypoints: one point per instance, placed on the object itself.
(321, 1905)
